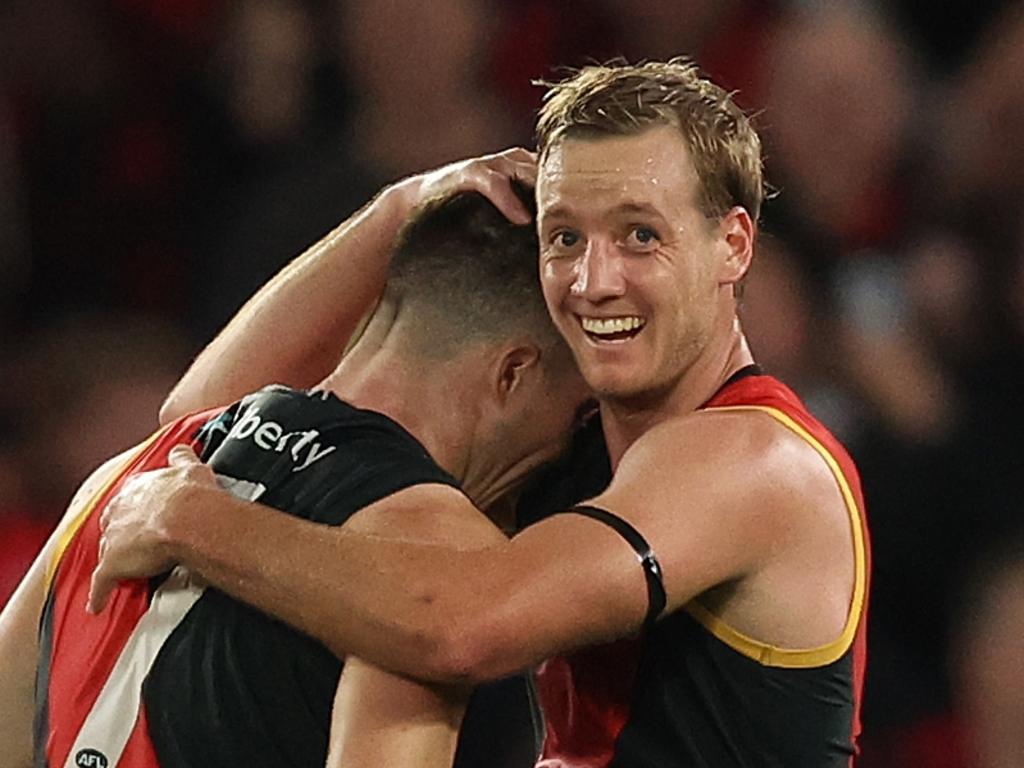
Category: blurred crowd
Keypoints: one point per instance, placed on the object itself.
(159, 159)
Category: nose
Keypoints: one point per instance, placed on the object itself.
(599, 273)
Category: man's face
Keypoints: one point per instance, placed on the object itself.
(541, 417)
(629, 263)
(551, 415)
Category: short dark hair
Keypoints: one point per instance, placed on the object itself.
(469, 274)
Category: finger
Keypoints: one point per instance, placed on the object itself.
(518, 174)
(527, 173)
(497, 187)
(523, 172)
(100, 588)
(519, 154)
(182, 456)
(517, 163)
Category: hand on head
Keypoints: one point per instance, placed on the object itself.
(490, 175)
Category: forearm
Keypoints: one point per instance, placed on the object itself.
(18, 653)
(313, 306)
(430, 612)
(19, 631)
(398, 604)
(380, 719)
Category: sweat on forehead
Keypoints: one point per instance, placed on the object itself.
(625, 100)
(649, 170)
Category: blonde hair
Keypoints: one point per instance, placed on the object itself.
(624, 99)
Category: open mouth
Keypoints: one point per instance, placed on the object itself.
(605, 329)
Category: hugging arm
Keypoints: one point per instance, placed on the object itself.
(705, 493)
(381, 718)
(316, 303)
(19, 625)
(384, 719)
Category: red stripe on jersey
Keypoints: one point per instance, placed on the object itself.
(586, 698)
(84, 648)
(139, 752)
(772, 393)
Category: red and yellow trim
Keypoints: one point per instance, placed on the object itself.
(793, 658)
(68, 534)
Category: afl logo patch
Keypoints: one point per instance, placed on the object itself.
(91, 758)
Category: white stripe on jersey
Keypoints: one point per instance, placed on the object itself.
(113, 715)
(111, 720)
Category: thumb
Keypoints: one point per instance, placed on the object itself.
(182, 456)
(99, 590)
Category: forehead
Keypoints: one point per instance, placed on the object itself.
(592, 175)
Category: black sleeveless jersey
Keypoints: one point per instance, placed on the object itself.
(172, 675)
(232, 686)
(692, 691)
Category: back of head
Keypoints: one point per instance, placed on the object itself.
(623, 99)
(462, 273)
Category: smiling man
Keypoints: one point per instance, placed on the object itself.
(706, 608)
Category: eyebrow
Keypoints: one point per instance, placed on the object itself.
(627, 207)
(632, 207)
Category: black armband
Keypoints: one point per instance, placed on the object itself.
(656, 598)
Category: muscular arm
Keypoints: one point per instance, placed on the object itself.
(19, 625)
(384, 719)
(317, 301)
(711, 495)
(423, 610)
(19, 635)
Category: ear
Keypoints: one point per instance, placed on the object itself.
(737, 231)
(512, 370)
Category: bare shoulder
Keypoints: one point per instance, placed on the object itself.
(741, 451)
(727, 497)
(428, 513)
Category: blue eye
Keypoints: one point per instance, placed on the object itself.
(642, 237)
(566, 239)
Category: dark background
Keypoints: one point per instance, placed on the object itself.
(159, 159)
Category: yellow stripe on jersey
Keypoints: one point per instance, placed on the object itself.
(68, 535)
(792, 658)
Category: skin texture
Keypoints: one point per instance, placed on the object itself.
(622, 236)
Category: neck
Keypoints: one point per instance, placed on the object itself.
(625, 420)
(434, 408)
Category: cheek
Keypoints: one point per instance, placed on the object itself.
(554, 283)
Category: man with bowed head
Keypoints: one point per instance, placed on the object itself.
(460, 384)
(708, 606)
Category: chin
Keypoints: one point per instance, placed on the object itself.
(618, 387)
(638, 389)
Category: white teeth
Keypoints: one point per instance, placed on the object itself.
(601, 326)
